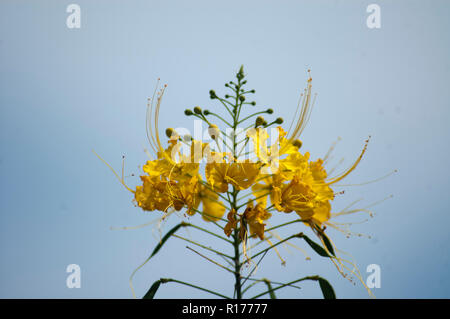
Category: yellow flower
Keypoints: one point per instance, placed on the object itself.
(300, 186)
(232, 222)
(154, 195)
(254, 217)
(174, 165)
(270, 156)
(297, 195)
(239, 174)
(213, 209)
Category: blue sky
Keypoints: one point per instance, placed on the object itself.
(65, 92)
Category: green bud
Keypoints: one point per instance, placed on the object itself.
(259, 121)
(240, 74)
(227, 96)
(297, 143)
(197, 110)
(188, 112)
(212, 94)
(206, 112)
(279, 120)
(241, 98)
(253, 103)
(252, 91)
(264, 123)
(169, 132)
(269, 111)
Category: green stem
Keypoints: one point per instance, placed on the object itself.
(254, 114)
(280, 242)
(284, 285)
(237, 264)
(285, 224)
(209, 232)
(166, 280)
(202, 246)
(220, 118)
(236, 239)
(257, 281)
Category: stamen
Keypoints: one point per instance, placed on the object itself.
(348, 171)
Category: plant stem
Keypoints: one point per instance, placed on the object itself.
(315, 278)
(237, 264)
(166, 280)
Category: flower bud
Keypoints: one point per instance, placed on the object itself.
(197, 110)
(213, 131)
(169, 132)
(297, 143)
(188, 112)
(279, 120)
(253, 103)
(212, 94)
(241, 98)
(206, 112)
(240, 74)
(259, 121)
(269, 111)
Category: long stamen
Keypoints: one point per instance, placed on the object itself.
(348, 171)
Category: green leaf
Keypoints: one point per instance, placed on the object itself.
(164, 239)
(316, 247)
(327, 243)
(157, 248)
(327, 289)
(269, 287)
(152, 291)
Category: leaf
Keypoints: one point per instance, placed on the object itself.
(152, 291)
(327, 289)
(327, 243)
(316, 247)
(164, 239)
(269, 287)
(157, 248)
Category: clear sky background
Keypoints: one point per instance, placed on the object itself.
(65, 92)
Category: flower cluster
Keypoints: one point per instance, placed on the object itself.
(281, 177)
(240, 191)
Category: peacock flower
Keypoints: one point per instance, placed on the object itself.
(254, 217)
(280, 178)
(213, 208)
(241, 175)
